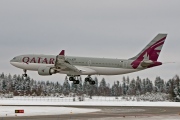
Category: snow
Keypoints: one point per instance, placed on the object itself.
(92, 103)
(9, 111)
(95, 101)
(41, 105)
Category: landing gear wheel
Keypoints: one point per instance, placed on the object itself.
(87, 79)
(24, 75)
(92, 82)
(71, 79)
(76, 82)
(74, 79)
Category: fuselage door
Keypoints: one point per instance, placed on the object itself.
(125, 64)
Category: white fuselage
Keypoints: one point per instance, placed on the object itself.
(88, 66)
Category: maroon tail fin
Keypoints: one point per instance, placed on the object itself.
(62, 52)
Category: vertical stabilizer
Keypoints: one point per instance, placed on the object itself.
(151, 51)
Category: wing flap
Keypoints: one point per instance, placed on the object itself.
(64, 65)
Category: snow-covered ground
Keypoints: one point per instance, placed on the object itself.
(9, 111)
(68, 101)
(95, 101)
(90, 103)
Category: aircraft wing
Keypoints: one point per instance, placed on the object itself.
(63, 65)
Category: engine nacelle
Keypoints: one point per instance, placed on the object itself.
(43, 70)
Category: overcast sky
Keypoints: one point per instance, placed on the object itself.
(92, 28)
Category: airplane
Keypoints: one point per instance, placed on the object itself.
(74, 66)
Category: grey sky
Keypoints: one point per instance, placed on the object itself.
(95, 28)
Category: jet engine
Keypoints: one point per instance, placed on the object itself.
(44, 70)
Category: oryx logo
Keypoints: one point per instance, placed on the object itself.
(150, 53)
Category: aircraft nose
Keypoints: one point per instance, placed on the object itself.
(13, 60)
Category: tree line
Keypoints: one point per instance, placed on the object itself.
(19, 85)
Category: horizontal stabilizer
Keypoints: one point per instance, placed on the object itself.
(150, 63)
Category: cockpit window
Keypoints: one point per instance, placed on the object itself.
(14, 58)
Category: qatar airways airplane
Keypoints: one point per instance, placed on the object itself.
(75, 66)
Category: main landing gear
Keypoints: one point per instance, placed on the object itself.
(25, 74)
(74, 79)
(87, 79)
(90, 80)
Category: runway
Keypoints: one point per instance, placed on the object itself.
(127, 113)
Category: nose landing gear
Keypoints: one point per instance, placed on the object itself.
(24, 75)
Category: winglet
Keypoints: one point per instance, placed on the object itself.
(62, 52)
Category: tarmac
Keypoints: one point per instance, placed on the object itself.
(110, 113)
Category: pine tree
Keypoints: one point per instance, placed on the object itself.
(66, 87)
(57, 87)
(143, 87)
(120, 90)
(9, 77)
(148, 85)
(27, 84)
(108, 90)
(95, 87)
(170, 89)
(4, 85)
(0, 85)
(86, 88)
(132, 88)
(124, 87)
(127, 80)
(176, 90)
(74, 88)
(52, 88)
(138, 86)
(80, 87)
(113, 90)
(159, 85)
(2, 75)
(102, 87)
